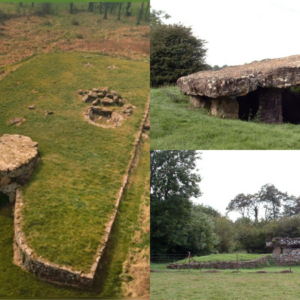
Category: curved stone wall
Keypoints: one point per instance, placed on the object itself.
(25, 256)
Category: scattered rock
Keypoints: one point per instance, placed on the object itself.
(145, 136)
(48, 112)
(16, 120)
(111, 67)
(31, 107)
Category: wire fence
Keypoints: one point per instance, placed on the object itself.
(238, 261)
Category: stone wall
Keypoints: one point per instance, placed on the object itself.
(27, 258)
(226, 108)
(257, 263)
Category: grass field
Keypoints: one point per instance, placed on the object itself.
(74, 188)
(176, 125)
(184, 285)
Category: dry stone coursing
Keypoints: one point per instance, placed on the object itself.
(221, 264)
(102, 116)
(26, 257)
(223, 92)
(18, 156)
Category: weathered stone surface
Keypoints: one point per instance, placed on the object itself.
(240, 80)
(107, 101)
(283, 243)
(226, 108)
(18, 156)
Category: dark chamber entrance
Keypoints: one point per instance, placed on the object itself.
(290, 107)
(4, 199)
(248, 105)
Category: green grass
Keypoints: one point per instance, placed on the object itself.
(184, 285)
(20, 284)
(72, 191)
(175, 125)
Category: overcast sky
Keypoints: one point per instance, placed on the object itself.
(226, 174)
(239, 31)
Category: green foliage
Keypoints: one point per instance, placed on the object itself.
(295, 89)
(224, 228)
(156, 17)
(173, 182)
(174, 52)
(201, 236)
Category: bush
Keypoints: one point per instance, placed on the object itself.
(174, 52)
(75, 22)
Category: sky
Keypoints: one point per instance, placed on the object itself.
(239, 31)
(225, 174)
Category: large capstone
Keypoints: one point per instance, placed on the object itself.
(18, 156)
(268, 90)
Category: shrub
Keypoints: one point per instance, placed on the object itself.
(75, 22)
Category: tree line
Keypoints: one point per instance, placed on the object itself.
(178, 225)
(103, 8)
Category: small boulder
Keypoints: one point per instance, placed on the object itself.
(107, 101)
(48, 112)
(31, 107)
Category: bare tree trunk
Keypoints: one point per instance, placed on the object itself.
(141, 13)
(112, 8)
(100, 7)
(105, 10)
(147, 11)
(71, 8)
(91, 7)
(127, 9)
(119, 14)
(32, 4)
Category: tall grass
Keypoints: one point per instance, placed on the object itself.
(176, 124)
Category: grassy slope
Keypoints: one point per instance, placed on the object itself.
(173, 126)
(73, 190)
(17, 283)
(191, 285)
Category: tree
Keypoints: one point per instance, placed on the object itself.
(106, 4)
(156, 17)
(174, 52)
(128, 13)
(91, 7)
(140, 14)
(119, 13)
(224, 229)
(272, 198)
(201, 237)
(172, 183)
(71, 8)
(240, 204)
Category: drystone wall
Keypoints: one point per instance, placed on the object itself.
(27, 258)
(257, 263)
(18, 157)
